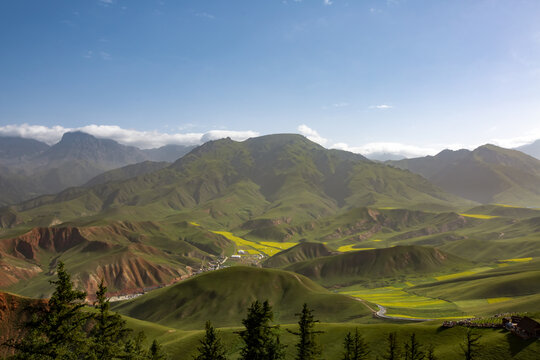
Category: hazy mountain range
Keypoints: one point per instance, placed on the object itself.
(30, 168)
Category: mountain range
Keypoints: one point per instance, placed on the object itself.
(30, 168)
(488, 174)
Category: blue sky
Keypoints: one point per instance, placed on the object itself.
(401, 75)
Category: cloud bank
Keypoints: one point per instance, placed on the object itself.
(312, 134)
(141, 139)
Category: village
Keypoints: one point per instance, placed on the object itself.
(518, 324)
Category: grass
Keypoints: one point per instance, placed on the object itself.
(224, 295)
(400, 303)
(495, 344)
(352, 247)
(462, 274)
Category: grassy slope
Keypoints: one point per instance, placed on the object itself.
(395, 262)
(223, 296)
(278, 176)
(496, 344)
(489, 174)
(301, 252)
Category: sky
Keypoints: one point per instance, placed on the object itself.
(405, 76)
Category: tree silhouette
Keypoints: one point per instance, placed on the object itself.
(261, 340)
(307, 347)
(211, 347)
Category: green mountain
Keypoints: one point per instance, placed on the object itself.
(224, 295)
(127, 172)
(489, 174)
(301, 252)
(30, 168)
(373, 265)
(283, 178)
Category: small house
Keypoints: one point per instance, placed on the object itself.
(528, 328)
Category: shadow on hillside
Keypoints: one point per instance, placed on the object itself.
(517, 344)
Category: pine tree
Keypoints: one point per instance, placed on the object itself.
(56, 328)
(413, 349)
(307, 347)
(348, 347)
(211, 347)
(156, 353)
(261, 340)
(361, 350)
(109, 333)
(392, 353)
(355, 347)
(471, 346)
(431, 353)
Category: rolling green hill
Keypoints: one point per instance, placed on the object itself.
(489, 174)
(301, 252)
(369, 265)
(224, 295)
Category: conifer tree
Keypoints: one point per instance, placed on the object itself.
(211, 347)
(261, 340)
(156, 353)
(109, 333)
(471, 346)
(307, 347)
(348, 347)
(55, 330)
(413, 349)
(392, 352)
(355, 347)
(431, 353)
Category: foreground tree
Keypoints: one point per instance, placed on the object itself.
(109, 333)
(307, 347)
(355, 348)
(471, 346)
(392, 352)
(431, 353)
(413, 349)
(211, 347)
(55, 330)
(261, 340)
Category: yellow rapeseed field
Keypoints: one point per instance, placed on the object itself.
(461, 274)
(346, 248)
(479, 216)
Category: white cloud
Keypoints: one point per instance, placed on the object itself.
(514, 142)
(104, 55)
(328, 2)
(312, 134)
(388, 147)
(141, 139)
(205, 15)
(381, 107)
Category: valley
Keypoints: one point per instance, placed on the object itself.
(282, 219)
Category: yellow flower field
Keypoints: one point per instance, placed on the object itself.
(479, 216)
(265, 249)
(461, 274)
(518, 259)
(347, 248)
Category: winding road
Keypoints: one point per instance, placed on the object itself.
(381, 313)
